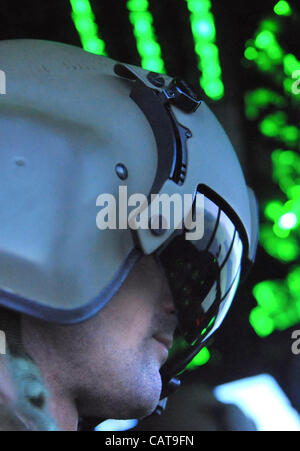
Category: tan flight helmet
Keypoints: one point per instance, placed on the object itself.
(75, 126)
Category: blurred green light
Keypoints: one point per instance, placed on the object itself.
(260, 322)
(200, 359)
(85, 26)
(284, 249)
(290, 64)
(288, 221)
(278, 302)
(81, 7)
(268, 128)
(271, 24)
(293, 281)
(287, 251)
(250, 53)
(289, 134)
(84, 21)
(273, 210)
(143, 30)
(198, 7)
(208, 50)
(148, 48)
(213, 88)
(204, 28)
(282, 8)
(204, 34)
(264, 39)
(259, 99)
(153, 64)
(91, 45)
(280, 232)
(210, 71)
(265, 296)
(294, 192)
(137, 5)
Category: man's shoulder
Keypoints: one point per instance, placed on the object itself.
(9, 418)
(23, 396)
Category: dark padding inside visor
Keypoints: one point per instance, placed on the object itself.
(204, 274)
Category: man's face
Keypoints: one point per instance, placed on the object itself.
(112, 361)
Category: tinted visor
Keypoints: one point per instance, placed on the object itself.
(203, 275)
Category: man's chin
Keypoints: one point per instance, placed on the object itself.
(145, 402)
(138, 402)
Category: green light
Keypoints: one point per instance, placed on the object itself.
(289, 134)
(204, 28)
(148, 48)
(143, 30)
(278, 301)
(96, 46)
(213, 88)
(264, 62)
(85, 26)
(287, 250)
(274, 125)
(293, 281)
(153, 64)
(84, 21)
(273, 210)
(286, 171)
(81, 7)
(271, 24)
(282, 8)
(266, 296)
(290, 64)
(264, 39)
(280, 232)
(199, 360)
(198, 7)
(278, 304)
(259, 99)
(289, 87)
(250, 53)
(204, 34)
(210, 71)
(294, 192)
(211, 322)
(284, 249)
(143, 27)
(209, 51)
(260, 322)
(269, 128)
(137, 5)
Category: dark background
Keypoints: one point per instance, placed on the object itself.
(236, 350)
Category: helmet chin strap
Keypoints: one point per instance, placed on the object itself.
(170, 372)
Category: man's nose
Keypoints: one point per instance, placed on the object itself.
(168, 299)
(169, 305)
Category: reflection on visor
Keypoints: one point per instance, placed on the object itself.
(204, 274)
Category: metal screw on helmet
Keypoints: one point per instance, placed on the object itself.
(121, 171)
(156, 79)
(181, 94)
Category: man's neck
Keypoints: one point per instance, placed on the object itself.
(61, 402)
(61, 406)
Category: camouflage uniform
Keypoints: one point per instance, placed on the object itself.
(23, 395)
